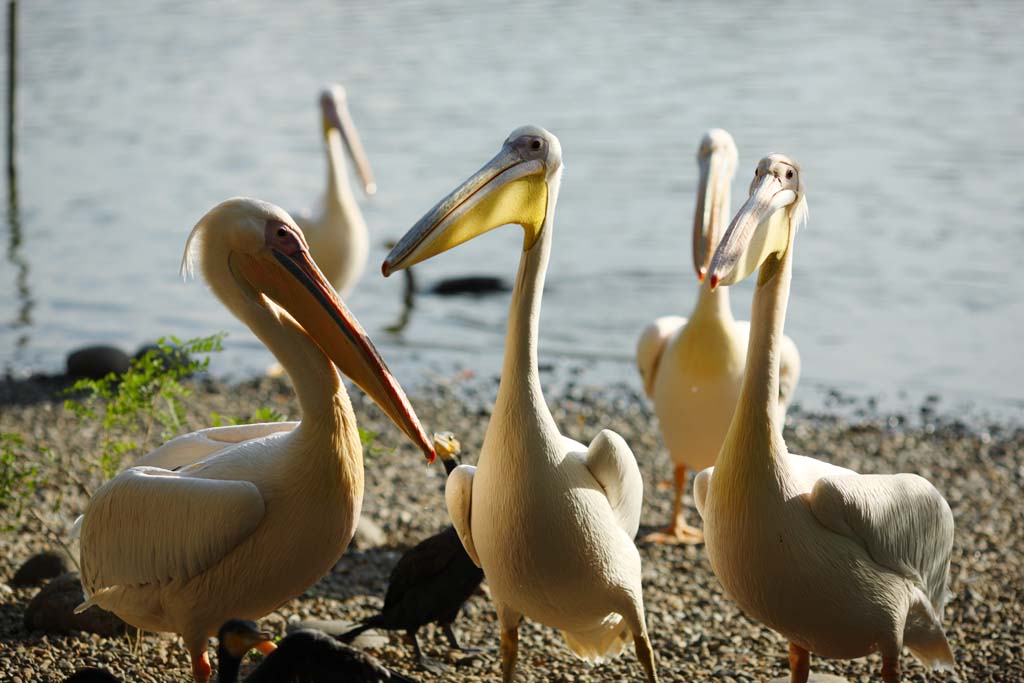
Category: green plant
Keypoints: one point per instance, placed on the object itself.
(146, 397)
(368, 438)
(19, 474)
(263, 414)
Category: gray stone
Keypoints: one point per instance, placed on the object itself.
(368, 534)
(39, 568)
(96, 362)
(52, 610)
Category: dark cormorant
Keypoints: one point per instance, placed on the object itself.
(431, 581)
(305, 656)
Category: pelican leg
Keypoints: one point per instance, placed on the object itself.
(799, 664)
(509, 653)
(678, 531)
(891, 669)
(432, 665)
(509, 621)
(201, 669)
(645, 654)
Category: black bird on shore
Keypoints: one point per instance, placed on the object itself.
(431, 581)
(91, 674)
(305, 656)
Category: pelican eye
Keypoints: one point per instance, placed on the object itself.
(789, 174)
(281, 232)
(535, 145)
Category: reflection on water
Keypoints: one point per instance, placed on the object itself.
(21, 322)
(137, 117)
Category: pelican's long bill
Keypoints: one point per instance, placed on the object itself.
(717, 161)
(761, 227)
(508, 189)
(286, 274)
(334, 103)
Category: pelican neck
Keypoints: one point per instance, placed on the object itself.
(754, 434)
(520, 390)
(339, 190)
(712, 304)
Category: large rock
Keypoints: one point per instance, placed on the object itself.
(52, 610)
(96, 362)
(39, 568)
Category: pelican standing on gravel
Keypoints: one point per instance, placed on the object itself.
(550, 521)
(693, 368)
(337, 234)
(841, 564)
(259, 520)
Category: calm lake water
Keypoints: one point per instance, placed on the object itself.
(135, 118)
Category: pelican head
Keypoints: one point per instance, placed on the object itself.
(516, 186)
(336, 117)
(764, 224)
(257, 261)
(237, 636)
(716, 157)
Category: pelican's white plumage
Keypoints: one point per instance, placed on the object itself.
(254, 514)
(550, 521)
(692, 368)
(336, 232)
(841, 564)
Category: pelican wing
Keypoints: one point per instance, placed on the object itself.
(189, 448)
(458, 496)
(148, 525)
(650, 346)
(806, 471)
(789, 371)
(701, 484)
(612, 464)
(902, 521)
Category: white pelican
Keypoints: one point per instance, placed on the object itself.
(550, 521)
(839, 563)
(256, 523)
(337, 234)
(693, 368)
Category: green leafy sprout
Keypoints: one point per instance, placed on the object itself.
(146, 398)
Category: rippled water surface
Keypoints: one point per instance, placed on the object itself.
(137, 117)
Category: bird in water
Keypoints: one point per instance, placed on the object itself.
(692, 369)
(841, 564)
(549, 520)
(253, 515)
(336, 233)
(304, 656)
(430, 582)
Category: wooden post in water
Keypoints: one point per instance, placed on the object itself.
(12, 74)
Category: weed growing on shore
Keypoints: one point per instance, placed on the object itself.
(147, 397)
(19, 475)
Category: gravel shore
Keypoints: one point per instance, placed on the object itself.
(697, 633)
